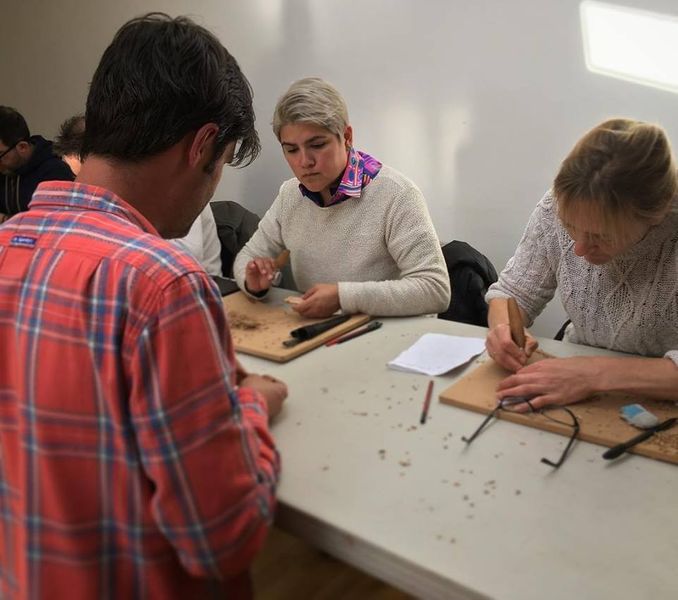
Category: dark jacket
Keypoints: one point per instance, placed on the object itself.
(235, 226)
(471, 273)
(17, 189)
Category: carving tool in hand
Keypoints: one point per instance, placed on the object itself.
(518, 337)
(516, 324)
(280, 261)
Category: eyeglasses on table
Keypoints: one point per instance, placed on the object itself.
(558, 414)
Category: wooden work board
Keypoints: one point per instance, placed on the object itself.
(259, 328)
(599, 418)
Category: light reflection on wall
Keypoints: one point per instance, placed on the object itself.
(631, 44)
(455, 131)
(403, 131)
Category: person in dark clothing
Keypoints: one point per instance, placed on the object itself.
(25, 161)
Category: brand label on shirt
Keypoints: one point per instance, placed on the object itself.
(24, 241)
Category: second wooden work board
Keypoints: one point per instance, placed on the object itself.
(259, 328)
(599, 419)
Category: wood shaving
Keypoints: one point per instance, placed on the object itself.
(240, 321)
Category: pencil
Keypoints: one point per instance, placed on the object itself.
(354, 334)
(427, 402)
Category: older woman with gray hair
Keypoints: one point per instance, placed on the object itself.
(359, 233)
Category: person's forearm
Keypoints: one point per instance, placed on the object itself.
(652, 377)
(395, 298)
(266, 241)
(498, 312)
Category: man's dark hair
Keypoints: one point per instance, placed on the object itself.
(13, 127)
(160, 79)
(71, 133)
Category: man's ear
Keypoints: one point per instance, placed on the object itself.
(202, 146)
(24, 148)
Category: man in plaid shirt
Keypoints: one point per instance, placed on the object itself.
(135, 457)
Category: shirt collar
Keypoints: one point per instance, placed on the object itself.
(360, 169)
(79, 196)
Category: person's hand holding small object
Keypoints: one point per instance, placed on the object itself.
(263, 272)
(509, 343)
(259, 274)
(322, 300)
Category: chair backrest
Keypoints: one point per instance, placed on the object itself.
(235, 226)
(561, 332)
(471, 273)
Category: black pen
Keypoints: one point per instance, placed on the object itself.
(354, 334)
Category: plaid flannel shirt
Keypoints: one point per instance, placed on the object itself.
(130, 465)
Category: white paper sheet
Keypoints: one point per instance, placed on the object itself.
(436, 353)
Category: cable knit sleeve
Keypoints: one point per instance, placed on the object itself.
(411, 240)
(266, 241)
(530, 275)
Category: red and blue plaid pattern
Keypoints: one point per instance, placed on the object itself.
(130, 465)
(361, 168)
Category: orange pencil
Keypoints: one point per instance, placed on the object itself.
(427, 403)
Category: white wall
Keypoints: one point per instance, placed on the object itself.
(476, 101)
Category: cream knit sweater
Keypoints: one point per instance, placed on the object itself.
(381, 248)
(629, 304)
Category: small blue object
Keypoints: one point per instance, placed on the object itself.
(638, 416)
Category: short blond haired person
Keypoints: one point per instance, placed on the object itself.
(606, 237)
(359, 233)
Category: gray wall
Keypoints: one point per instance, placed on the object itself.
(476, 101)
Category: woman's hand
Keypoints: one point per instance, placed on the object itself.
(504, 351)
(259, 274)
(322, 300)
(553, 381)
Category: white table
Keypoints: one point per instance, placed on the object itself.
(412, 505)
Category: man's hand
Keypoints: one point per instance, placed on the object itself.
(322, 300)
(240, 372)
(553, 381)
(259, 274)
(503, 350)
(273, 390)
